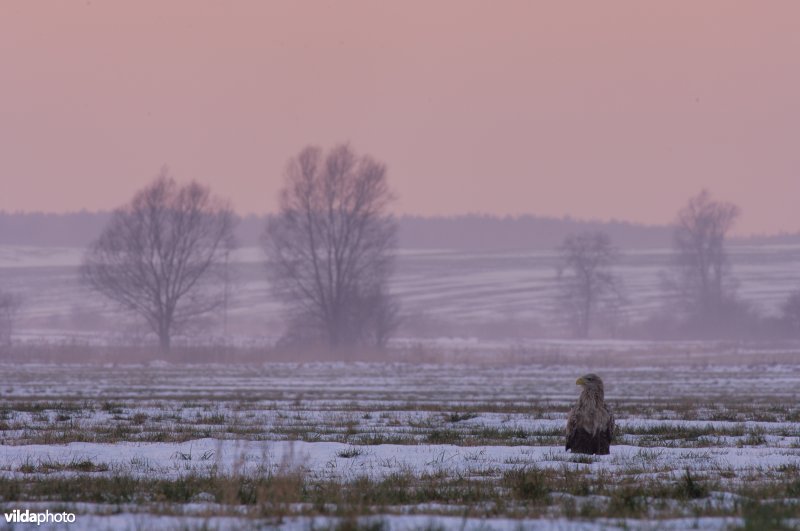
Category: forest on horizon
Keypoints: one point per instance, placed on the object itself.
(474, 232)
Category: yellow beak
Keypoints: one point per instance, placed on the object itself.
(580, 381)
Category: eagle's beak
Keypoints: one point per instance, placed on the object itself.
(580, 381)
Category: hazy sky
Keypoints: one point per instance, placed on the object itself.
(594, 109)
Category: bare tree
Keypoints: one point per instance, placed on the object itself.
(160, 255)
(10, 304)
(587, 284)
(329, 249)
(702, 277)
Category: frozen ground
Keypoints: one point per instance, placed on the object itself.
(404, 446)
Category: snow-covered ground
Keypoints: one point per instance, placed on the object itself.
(347, 462)
(400, 445)
(708, 432)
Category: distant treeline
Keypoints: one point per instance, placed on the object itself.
(467, 232)
(491, 233)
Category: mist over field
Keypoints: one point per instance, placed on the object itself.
(452, 295)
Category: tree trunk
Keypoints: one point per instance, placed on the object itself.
(164, 338)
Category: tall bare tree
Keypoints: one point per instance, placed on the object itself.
(329, 249)
(587, 283)
(161, 254)
(702, 276)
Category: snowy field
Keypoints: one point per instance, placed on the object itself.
(507, 296)
(462, 429)
(706, 440)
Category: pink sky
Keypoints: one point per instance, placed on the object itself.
(593, 109)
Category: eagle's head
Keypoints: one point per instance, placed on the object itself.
(590, 382)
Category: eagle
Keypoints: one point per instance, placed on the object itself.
(590, 425)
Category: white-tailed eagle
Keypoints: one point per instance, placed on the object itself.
(590, 425)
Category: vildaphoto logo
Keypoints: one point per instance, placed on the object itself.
(26, 517)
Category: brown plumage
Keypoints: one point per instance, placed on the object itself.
(590, 425)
